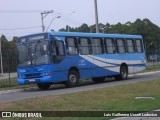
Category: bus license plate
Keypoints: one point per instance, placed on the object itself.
(32, 80)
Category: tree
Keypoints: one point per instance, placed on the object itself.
(13, 54)
(149, 31)
(4, 47)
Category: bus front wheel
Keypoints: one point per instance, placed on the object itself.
(123, 73)
(73, 79)
(44, 86)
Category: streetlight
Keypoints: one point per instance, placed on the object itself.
(52, 21)
(68, 27)
(150, 44)
(103, 29)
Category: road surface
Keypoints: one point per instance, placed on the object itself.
(60, 89)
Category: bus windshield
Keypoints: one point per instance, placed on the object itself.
(36, 53)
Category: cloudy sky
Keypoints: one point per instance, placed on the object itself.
(20, 17)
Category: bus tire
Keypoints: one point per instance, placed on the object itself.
(73, 79)
(123, 73)
(98, 80)
(44, 86)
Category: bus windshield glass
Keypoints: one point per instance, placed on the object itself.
(36, 53)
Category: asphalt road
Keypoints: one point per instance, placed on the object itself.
(60, 89)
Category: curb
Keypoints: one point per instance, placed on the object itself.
(10, 91)
(145, 73)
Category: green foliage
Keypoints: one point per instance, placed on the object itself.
(9, 54)
(149, 31)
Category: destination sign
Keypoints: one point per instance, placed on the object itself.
(32, 38)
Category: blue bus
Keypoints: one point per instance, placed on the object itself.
(65, 57)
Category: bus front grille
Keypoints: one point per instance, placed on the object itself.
(33, 75)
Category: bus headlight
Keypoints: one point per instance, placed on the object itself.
(46, 74)
(21, 76)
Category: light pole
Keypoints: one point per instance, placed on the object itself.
(1, 56)
(45, 13)
(68, 27)
(150, 44)
(96, 16)
(51, 22)
(104, 28)
(90, 29)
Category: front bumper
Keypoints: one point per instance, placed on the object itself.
(43, 79)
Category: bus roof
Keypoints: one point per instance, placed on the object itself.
(82, 34)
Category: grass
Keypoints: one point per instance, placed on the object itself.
(5, 84)
(119, 98)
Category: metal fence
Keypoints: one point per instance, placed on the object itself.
(153, 59)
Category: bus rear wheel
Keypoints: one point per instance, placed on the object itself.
(123, 73)
(73, 79)
(44, 86)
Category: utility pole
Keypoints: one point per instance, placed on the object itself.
(43, 15)
(1, 56)
(68, 28)
(96, 16)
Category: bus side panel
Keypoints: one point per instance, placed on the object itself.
(60, 70)
(85, 66)
(138, 63)
(59, 73)
(100, 66)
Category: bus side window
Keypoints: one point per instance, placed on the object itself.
(130, 46)
(71, 46)
(120, 45)
(110, 46)
(60, 48)
(84, 46)
(97, 47)
(139, 46)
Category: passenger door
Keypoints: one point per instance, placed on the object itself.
(58, 58)
(57, 51)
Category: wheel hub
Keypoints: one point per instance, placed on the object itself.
(72, 78)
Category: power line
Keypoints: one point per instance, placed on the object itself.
(66, 16)
(20, 28)
(20, 11)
